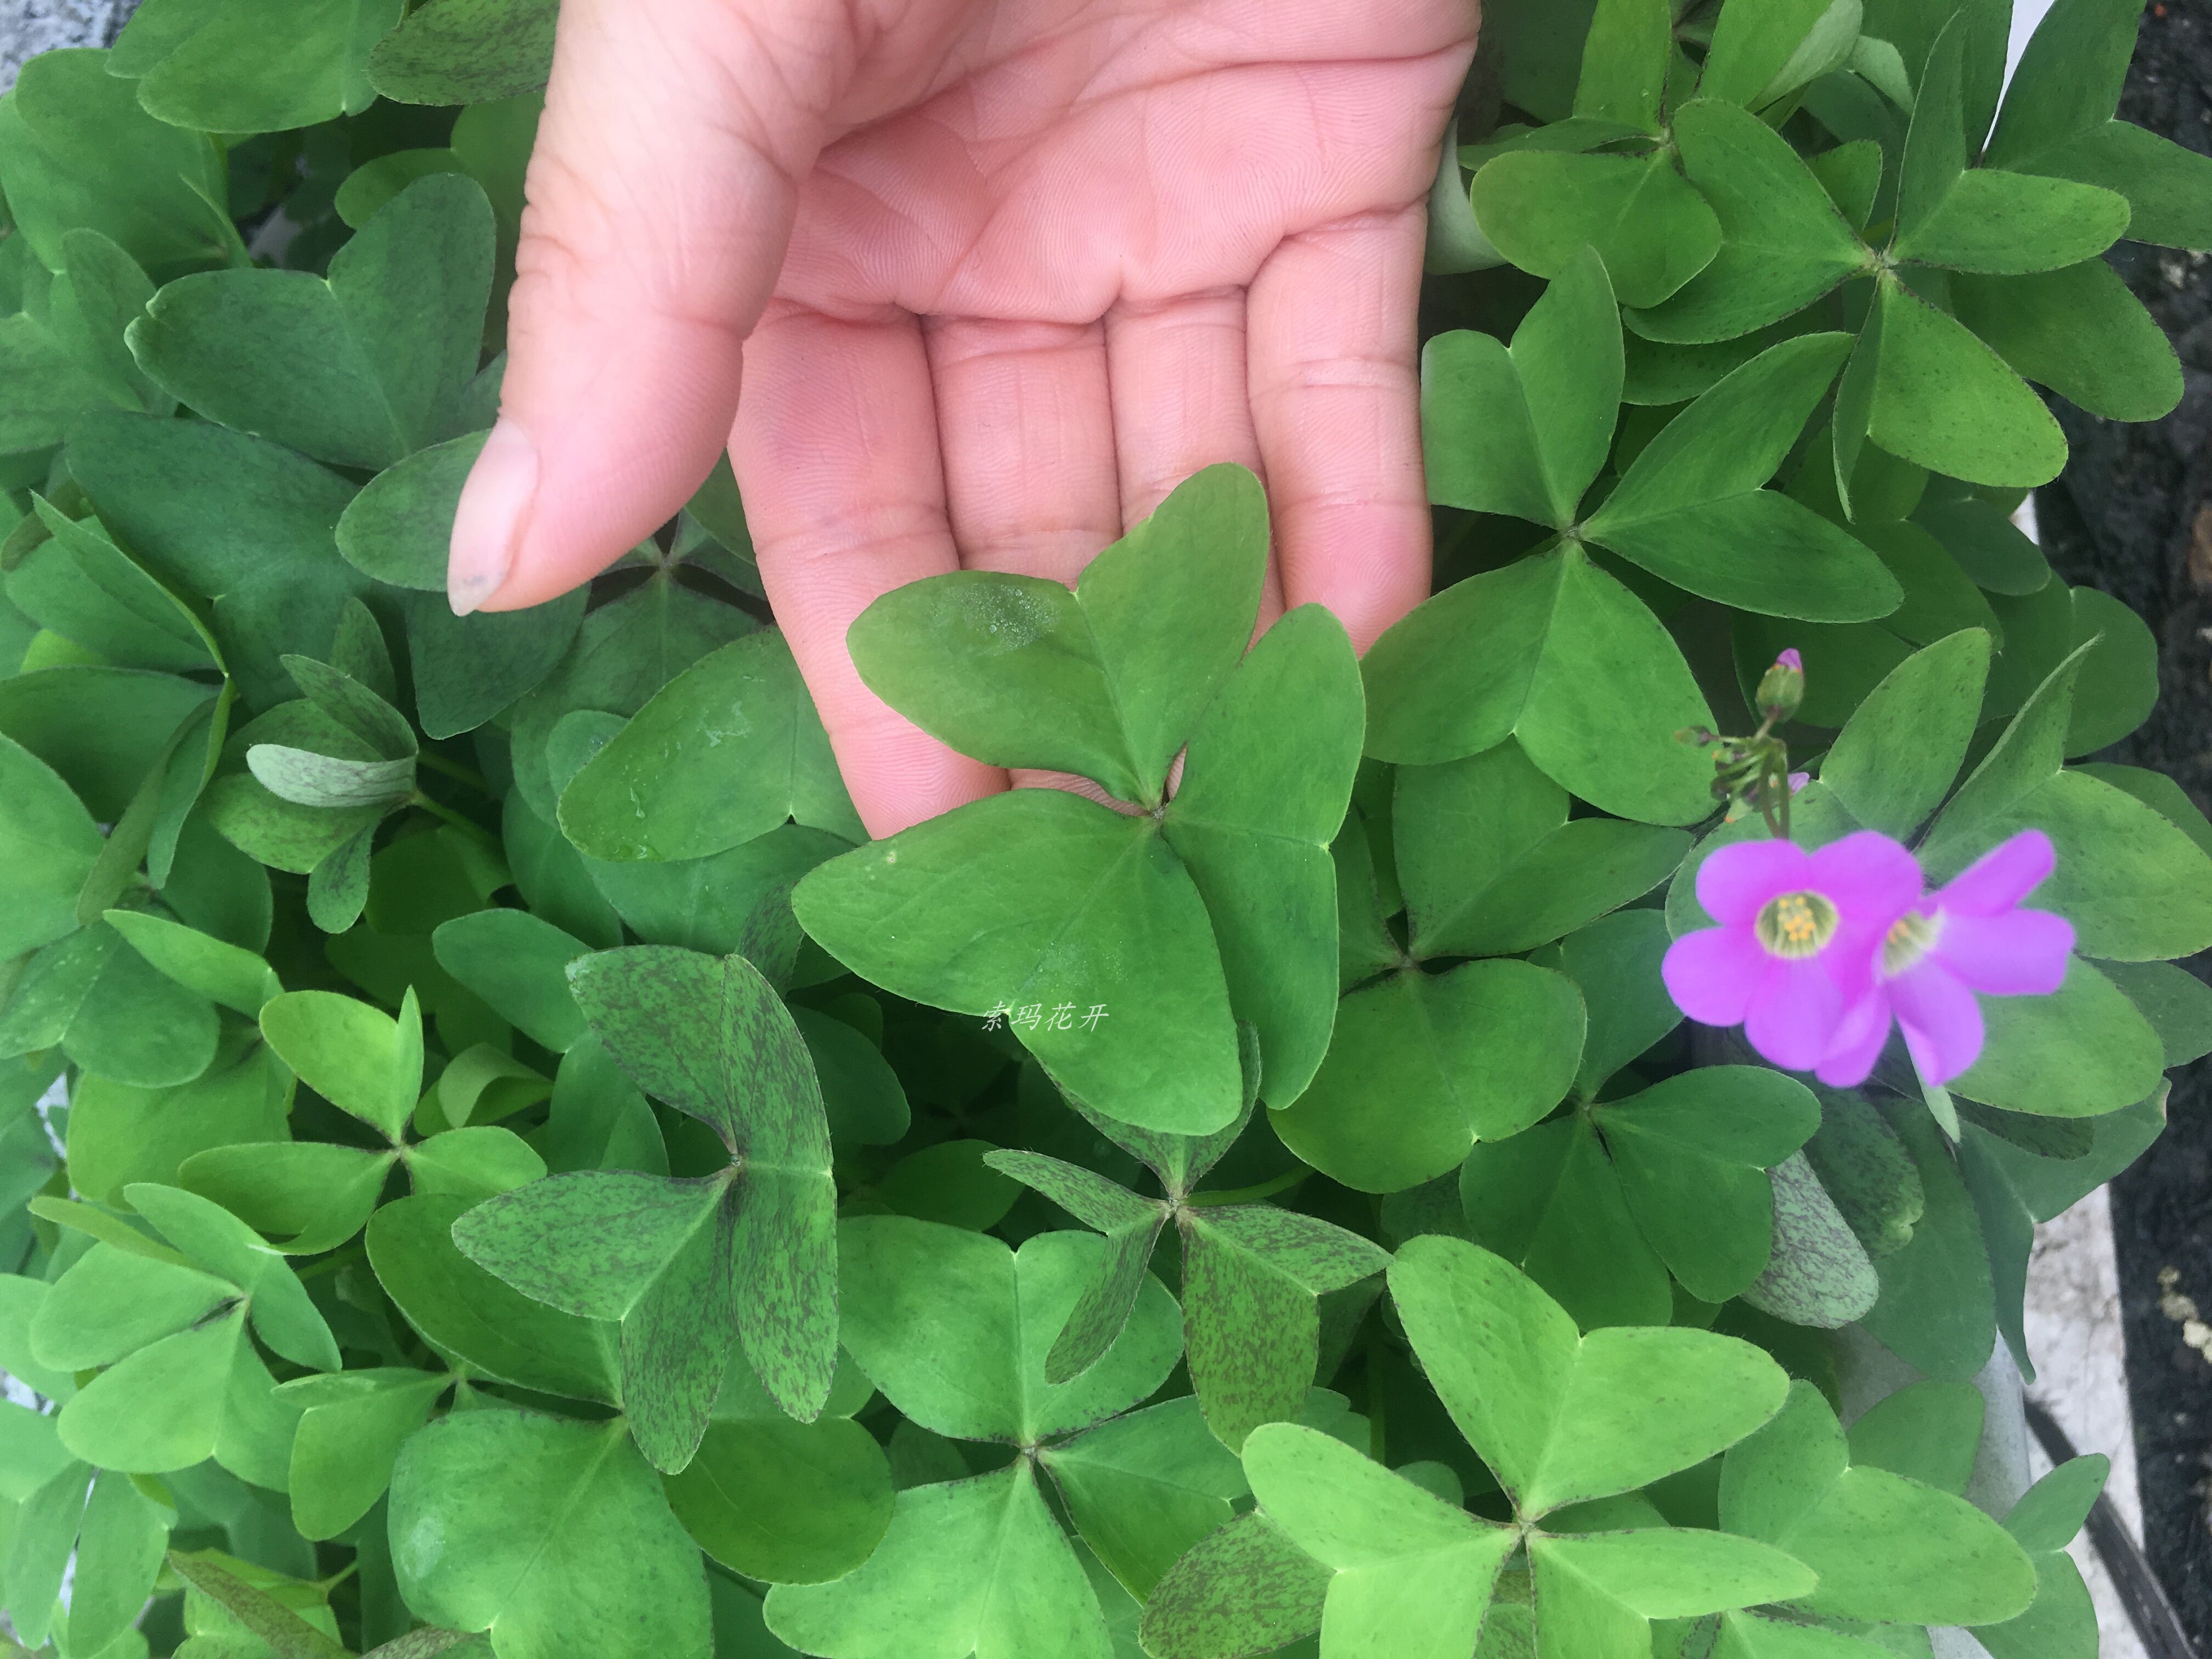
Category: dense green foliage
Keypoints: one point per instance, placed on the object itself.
(488, 1145)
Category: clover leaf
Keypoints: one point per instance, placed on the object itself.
(181, 1380)
(752, 1244)
(98, 1527)
(1575, 1420)
(955, 1329)
(1888, 1548)
(1252, 1275)
(251, 65)
(65, 352)
(1229, 884)
(378, 357)
(1601, 1206)
(549, 1535)
(726, 751)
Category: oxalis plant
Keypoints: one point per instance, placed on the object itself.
(492, 1156)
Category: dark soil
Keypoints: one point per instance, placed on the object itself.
(2133, 515)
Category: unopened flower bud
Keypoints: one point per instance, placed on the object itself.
(1783, 687)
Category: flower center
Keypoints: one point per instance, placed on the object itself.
(1797, 925)
(1908, 942)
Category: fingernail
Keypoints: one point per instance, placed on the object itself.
(494, 503)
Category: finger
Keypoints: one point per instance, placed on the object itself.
(1336, 402)
(1027, 429)
(836, 456)
(660, 194)
(1181, 400)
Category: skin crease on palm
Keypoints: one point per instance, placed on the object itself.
(997, 277)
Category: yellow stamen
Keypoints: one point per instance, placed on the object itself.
(1797, 925)
(1908, 942)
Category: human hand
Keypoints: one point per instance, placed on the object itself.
(1001, 273)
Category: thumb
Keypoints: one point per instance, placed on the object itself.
(660, 197)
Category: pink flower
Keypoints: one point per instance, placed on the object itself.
(1797, 938)
(1791, 660)
(1970, 936)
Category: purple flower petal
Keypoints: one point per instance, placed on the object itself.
(1794, 1014)
(1857, 1043)
(1872, 879)
(1735, 880)
(1941, 1020)
(2020, 953)
(1713, 973)
(2000, 878)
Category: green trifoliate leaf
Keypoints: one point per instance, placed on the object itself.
(622, 652)
(48, 845)
(251, 65)
(110, 1012)
(1252, 1327)
(76, 152)
(790, 1503)
(103, 729)
(1253, 822)
(2062, 1619)
(119, 1132)
(1783, 243)
(519, 965)
(916, 1294)
(754, 1245)
(68, 355)
(472, 1318)
(358, 1058)
(1692, 1154)
(310, 1196)
(1584, 1416)
(1108, 681)
(1490, 865)
(465, 51)
(213, 1239)
(1549, 1201)
(1524, 431)
(549, 1535)
(1542, 208)
(351, 1428)
(1761, 53)
(397, 528)
(1411, 1574)
(234, 519)
(1422, 1065)
(466, 670)
(1691, 508)
(1143, 1488)
(2057, 123)
(1897, 756)
(200, 1392)
(1132, 1226)
(1554, 652)
(971, 1567)
(1596, 1594)
(1615, 962)
(1029, 904)
(726, 751)
(1244, 1590)
(374, 361)
(1924, 388)
(79, 583)
(1886, 1548)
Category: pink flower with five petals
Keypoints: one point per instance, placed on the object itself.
(1799, 931)
(1970, 936)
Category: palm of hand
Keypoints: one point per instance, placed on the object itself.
(1047, 258)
